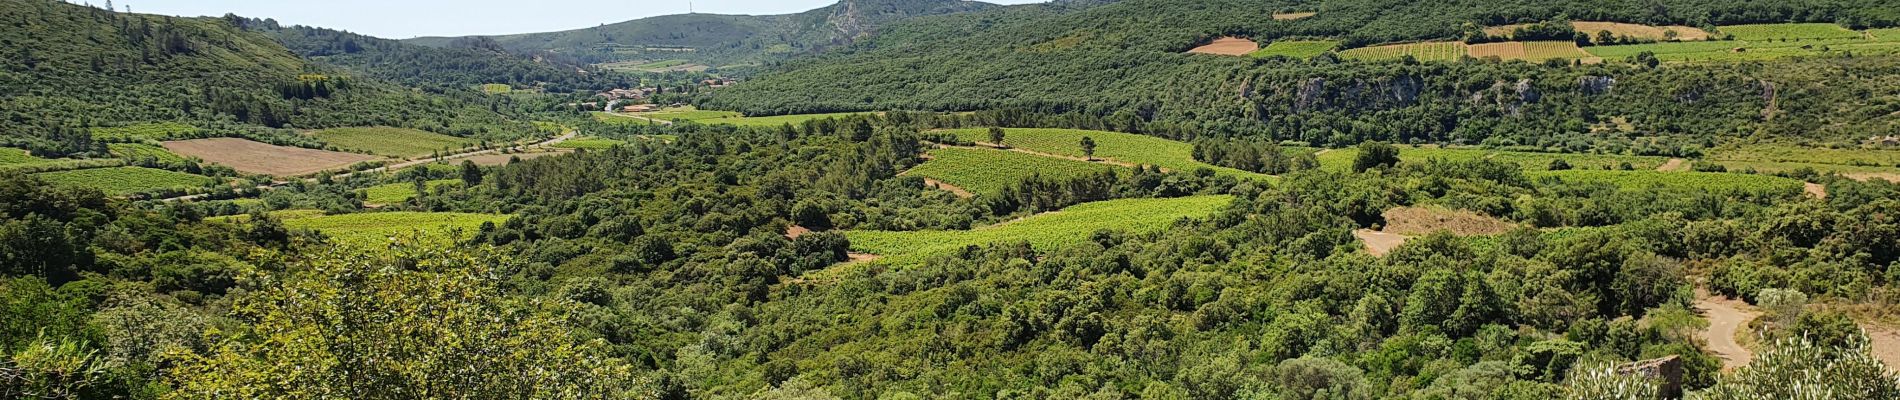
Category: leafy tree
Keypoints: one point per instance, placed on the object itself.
(1796, 368)
(417, 321)
(1088, 148)
(996, 136)
(471, 173)
(1375, 155)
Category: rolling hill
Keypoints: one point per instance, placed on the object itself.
(74, 68)
(722, 40)
(1126, 59)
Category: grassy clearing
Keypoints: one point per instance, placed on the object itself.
(590, 143)
(988, 172)
(400, 192)
(1428, 51)
(126, 180)
(1053, 230)
(143, 132)
(1122, 147)
(135, 151)
(1702, 181)
(497, 88)
(1296, 48)
(12, 156)
(1762, 32)
(373, 228)
(392, 142)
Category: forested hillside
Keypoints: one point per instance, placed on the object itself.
(466, 63)
(75, 68)
(1123, 61)
(936, 199)
(722, 40)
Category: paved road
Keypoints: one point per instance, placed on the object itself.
(570, 135)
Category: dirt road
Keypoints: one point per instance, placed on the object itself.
(1380, 243)
(1886, 344)
(1726, 317)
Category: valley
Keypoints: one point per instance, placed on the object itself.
(896, 199)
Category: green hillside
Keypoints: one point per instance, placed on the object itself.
(73, 68)
(721, 40)
(1124, 59)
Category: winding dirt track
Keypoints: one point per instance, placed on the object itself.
(953, 189)
(1726, 317)
(1674, 165)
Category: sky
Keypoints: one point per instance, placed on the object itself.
(403, 19)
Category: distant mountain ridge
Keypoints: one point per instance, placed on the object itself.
(719, 40)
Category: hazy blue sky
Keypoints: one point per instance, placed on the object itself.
(402, 19)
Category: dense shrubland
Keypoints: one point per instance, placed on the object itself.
(661, 269)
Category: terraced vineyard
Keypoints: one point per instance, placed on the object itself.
(1116, 146)
(988, 172)
(126, 180)
(392, 142)
(400, 192)
(373, 228)
(1428, 51)
(1052, 230)
(1296, 48)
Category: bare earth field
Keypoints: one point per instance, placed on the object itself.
(490, 160)
(1293, 16)
(1380, 243)
(1683, 33)
(260, 158)
(1228, 46)
(1420, 221)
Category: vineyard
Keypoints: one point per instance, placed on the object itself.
(1341, 159)
(771, 121)
(1766, 32)
(1296, 48)
(1429, 51)
(392, 142)
(590, 143)
(400, 192)
(1725, 183)
(126, 180)
(1116, 146)
(371, 228)
(12, 156)
(146, 132)
(136, 151)
(1047, 231)
(991, 171)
